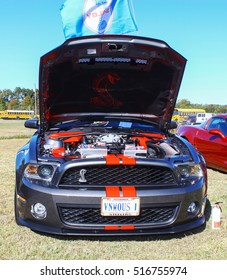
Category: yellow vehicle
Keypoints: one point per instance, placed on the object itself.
(180, 114)
(16, 114)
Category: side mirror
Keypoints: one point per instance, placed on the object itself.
(173, 125)
(32, 123)
(218, 132)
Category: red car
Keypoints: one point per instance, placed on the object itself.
(209, 138)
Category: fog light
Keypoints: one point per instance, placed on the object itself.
(39, 211)
(192, 208)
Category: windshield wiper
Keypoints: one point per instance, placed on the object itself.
(67, 125)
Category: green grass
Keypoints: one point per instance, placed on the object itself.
(14, 129)
(20, 243)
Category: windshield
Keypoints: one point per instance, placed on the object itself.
(218, 123)
(135, 126)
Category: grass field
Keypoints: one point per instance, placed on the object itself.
(20, 243)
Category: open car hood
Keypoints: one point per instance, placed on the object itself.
(111, 76)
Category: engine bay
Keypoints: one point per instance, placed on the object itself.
(80, 145)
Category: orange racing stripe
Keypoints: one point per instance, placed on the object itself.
(128, 191)
(112, 160)
(112, 192)
(127, 160)
(111, 228)
(131, 227)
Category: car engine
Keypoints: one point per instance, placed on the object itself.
(78, 145)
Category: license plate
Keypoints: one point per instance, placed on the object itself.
(111, 206)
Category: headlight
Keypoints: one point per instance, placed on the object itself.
(45, 171)
(190, 173)
(39, 172)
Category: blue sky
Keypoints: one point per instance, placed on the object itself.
(195, 28)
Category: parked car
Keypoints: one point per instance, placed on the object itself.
(190, 120)
(102, 161)
(202, 117)
(210, 138)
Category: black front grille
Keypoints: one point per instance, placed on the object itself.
(88, 216)
(119, 175)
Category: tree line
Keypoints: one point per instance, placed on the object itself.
(209, 108)
(18, 99)
(24, 99)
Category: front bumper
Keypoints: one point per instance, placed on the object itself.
(77, 212)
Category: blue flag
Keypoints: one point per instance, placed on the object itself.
(90, 17)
